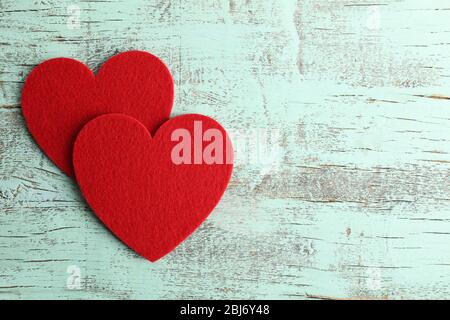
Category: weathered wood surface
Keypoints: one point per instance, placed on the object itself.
(358, 205)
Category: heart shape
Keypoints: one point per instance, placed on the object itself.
(61, 95)
(152, 193)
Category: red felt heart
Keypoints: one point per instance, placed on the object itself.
(61, 95)
(152, 193)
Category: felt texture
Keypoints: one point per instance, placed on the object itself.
(61, 95)
(131, 182)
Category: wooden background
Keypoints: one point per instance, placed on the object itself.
(355, 203)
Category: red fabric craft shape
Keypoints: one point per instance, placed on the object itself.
(61, 95)
(152, 192)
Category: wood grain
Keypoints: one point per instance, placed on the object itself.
(354, 205)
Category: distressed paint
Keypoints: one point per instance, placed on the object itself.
(357, 205)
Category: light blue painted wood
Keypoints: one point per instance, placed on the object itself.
(354, 202)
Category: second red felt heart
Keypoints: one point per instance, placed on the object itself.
(61, 95)
(152, 193)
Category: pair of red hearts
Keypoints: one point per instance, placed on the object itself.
(112, 132)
